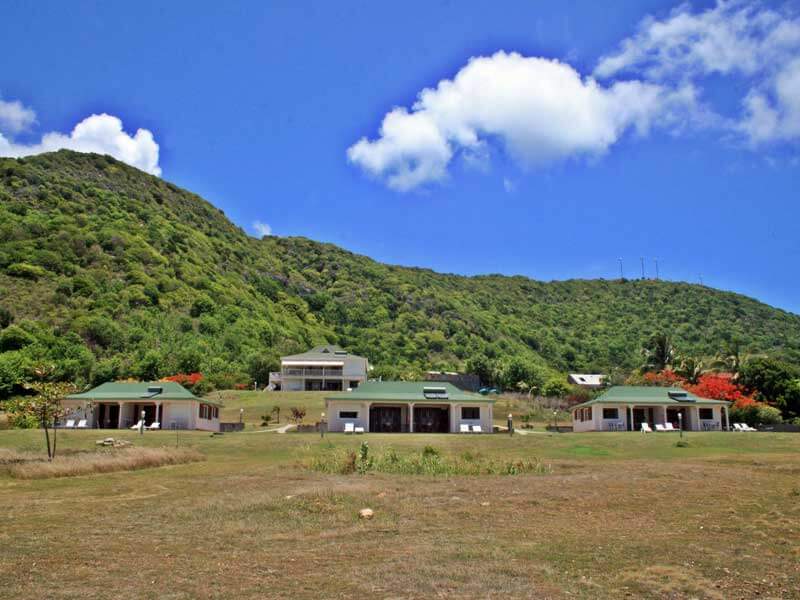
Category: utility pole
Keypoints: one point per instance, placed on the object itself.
(621, 275)
(641, 260)
(656, 261)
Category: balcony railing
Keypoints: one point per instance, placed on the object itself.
(312, 372)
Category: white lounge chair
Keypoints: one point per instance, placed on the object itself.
(660, 427)
(69, 424)
(82, 424)
(359, 430)
(463, 428)
(746, 427)
(738, 427)
(138, 425)
(668, 427)
(349, 428)
(646, 428)
(154, 425)
(477, 429)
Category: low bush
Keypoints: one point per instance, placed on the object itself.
(34, 466)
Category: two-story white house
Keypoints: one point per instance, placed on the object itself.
(325, 368)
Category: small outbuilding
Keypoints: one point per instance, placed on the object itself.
(589, 381)
(120, 405)
(409, 406)
(626, 407)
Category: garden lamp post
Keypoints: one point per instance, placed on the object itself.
(141, 423)
(241, 416)
(555, 420)
(510, 424)
(322, 426)
(680, 423)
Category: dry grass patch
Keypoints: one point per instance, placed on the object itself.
(28, 466)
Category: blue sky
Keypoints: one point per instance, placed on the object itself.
(522, 165)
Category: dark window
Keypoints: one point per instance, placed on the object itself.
(353, 384)
(348, 414)
(611, 413)
(215, 413)
(470, 412)
(706, 414)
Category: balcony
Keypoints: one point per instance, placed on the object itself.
(312, 372)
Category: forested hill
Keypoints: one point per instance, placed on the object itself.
(108, 272)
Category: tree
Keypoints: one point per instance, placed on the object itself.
(46, 406)
(298, 413)
(555, 388)
(481, 366)
(690, 369)
(768, 378)
(658, 352)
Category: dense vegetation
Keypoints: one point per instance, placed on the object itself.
(106, 272)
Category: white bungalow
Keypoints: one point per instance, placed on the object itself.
(626, 407)
(409, 406)
(120, 405)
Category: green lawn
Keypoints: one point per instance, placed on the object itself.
(621, 514)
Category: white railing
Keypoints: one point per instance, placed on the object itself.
(313, 372)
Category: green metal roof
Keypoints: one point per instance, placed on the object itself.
(637, 394)
(407, 391)
(330, 352)
(137, 391)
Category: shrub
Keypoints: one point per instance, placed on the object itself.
(25, 271)
(756, 413)
(5, 317)
(201, 306)
(14, 338)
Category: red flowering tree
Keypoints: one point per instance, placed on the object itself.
(720, 386)
(185, 379)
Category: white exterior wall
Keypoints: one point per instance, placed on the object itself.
(335, 423)
(179, 414)
(486, 420)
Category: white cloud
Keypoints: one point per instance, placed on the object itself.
(14, 117)
(740, 39)
(97, 133)
(261, 229)
(539, 110)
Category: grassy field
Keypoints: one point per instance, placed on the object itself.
(620, 514)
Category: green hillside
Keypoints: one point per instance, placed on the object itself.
(108, 272)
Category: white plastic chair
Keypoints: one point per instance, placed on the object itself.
(737, 427)
(349, 428)
(646, 428)
(359, 430)
(668, 427)
(69, 424)
(154, 425)
(660, 427)
(138, 425)
(463, 428)
(746, 427)
(82, 424)
(477, 429)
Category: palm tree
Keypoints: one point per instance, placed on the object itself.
(658, 352)
(690, 369)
